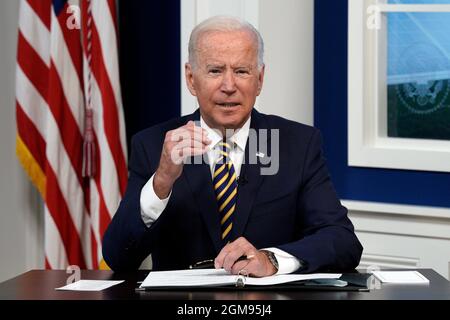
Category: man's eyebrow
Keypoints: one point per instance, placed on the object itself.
(242, 66)
(215, 65)
(248, 67)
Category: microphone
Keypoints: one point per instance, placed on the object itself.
(242, 180)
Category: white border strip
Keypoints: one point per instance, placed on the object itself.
(414, 7)
(355, 70)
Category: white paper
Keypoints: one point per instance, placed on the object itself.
(217, 277)
(90, 285)
(413, 277)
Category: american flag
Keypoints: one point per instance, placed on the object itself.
(70, 124)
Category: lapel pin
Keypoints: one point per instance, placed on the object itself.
(260, 154)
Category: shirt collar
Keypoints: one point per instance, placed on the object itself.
(239, 137)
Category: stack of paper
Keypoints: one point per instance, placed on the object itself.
(90, 285)
(405, 277)
(219, 277)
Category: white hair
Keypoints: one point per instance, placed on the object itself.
(223, 23)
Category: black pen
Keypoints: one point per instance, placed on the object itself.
(208, 264)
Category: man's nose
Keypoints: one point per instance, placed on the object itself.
(228, 83)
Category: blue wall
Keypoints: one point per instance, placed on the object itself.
(330, 114)
(149, 62)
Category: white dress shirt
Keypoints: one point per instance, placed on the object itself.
(152, 206)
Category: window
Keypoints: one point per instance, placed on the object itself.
(399, 84)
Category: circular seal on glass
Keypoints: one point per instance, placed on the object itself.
(425, 83)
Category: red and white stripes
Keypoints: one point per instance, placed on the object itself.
(53, 95)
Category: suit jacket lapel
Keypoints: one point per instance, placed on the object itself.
(199, 179)
(250, 176)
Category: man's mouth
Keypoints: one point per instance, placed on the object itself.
(228, 104)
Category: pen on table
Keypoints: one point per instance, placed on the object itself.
(205, 264)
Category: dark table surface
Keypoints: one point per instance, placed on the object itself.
(41, 284)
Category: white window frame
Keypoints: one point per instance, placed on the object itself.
(368, 143)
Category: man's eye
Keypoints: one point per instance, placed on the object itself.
(242, 72)
(214, 71)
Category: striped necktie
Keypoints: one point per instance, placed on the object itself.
(225, 187)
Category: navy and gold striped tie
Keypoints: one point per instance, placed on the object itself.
(225, 186)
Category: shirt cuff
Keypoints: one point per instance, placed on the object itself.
(151, 205)
(287, 263)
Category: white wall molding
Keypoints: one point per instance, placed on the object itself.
(385, 261)
(402, 236)
(400, 209)
(377, 222)
(392, 219)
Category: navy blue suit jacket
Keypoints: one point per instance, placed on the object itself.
(296, 210)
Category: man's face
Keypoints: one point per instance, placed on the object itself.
(226, 79)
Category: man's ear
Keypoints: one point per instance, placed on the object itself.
(261, 79)
(189, 74)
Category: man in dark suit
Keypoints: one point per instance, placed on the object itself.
(249, 190)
